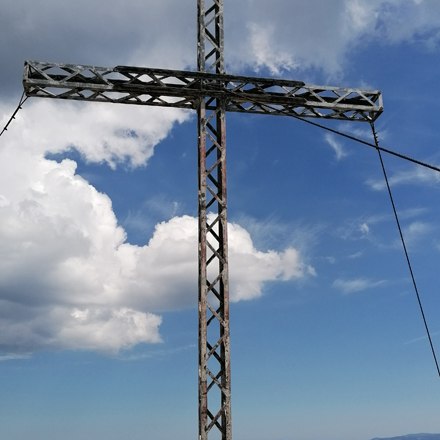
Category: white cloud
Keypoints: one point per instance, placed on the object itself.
(422, 21)
(264, 49)
(416, 175)
(250, 268)
(316, 34)
(69, 278)
(100, 132)
(356, 255)
(354, 285)
(14, 357)
(66, 269)
(415, 340)
(278, 36)
(107, 328)
(364, 228)
(336, 146)
(416, 231)
(360, 15)
(356, 229)
(420, 338)
(156, 353)
(271, 35)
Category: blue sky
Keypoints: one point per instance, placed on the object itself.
(98, 326)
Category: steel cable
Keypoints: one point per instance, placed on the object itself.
(23, 99)
(408, 261)
(369, 144)
(349, 136)
(380, 149)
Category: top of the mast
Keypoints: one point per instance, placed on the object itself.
(210, 36)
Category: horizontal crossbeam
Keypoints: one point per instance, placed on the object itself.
(183, 89)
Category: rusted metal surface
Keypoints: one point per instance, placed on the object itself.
(183, 89)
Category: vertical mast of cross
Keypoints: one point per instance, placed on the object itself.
(214, 341)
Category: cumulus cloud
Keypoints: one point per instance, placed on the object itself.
(68, 275)
(69, 278)
(100, 132)
(250, 268)
(106, 328)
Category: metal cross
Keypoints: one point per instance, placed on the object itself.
(212, 93)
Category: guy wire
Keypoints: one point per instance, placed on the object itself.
(428, 333)
(23, 99)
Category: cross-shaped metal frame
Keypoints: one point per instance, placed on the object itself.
(212, 93)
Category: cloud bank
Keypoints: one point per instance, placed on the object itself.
(294, 36)
(278, 37)
(68, 276)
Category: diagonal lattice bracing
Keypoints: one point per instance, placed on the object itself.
(214, 345)
(182, 89)
(214, 370)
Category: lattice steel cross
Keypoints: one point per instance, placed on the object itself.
(212, 94)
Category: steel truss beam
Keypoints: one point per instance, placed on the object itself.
(183, 89)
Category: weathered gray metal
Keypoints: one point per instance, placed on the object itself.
(182, 89)
(212, 93)
(214, 340)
